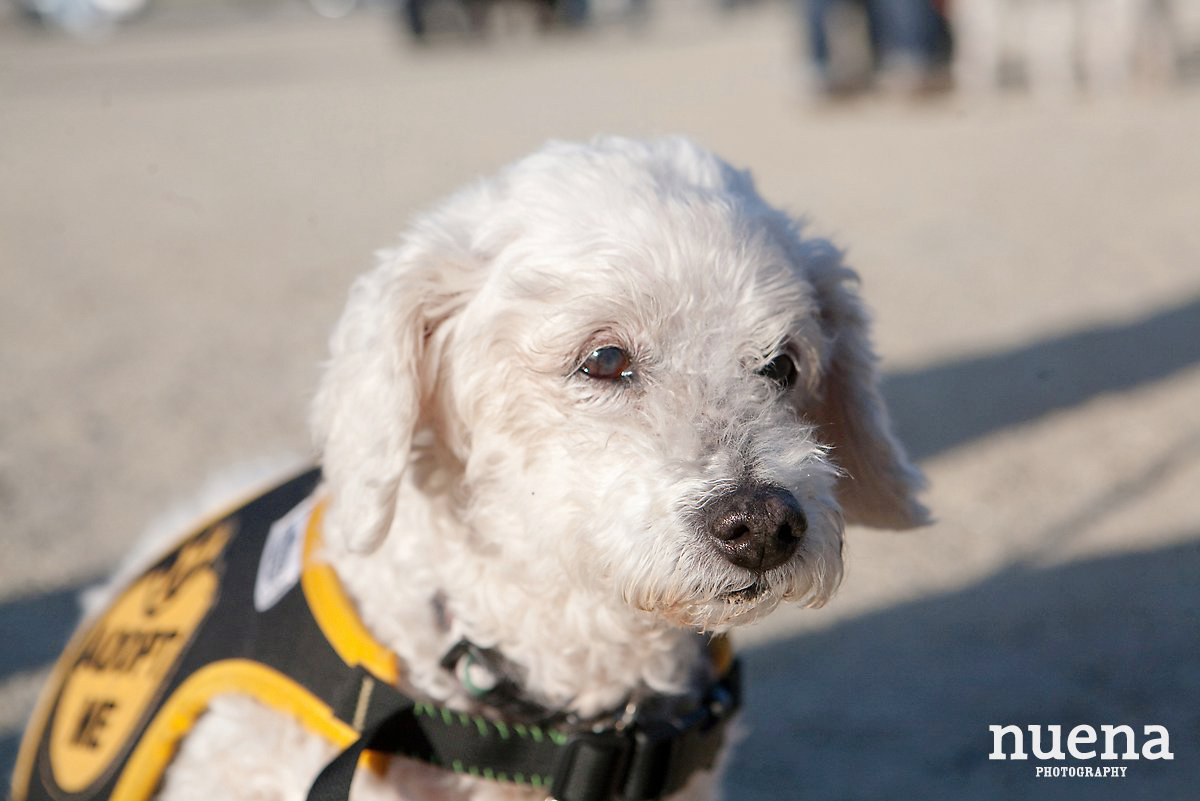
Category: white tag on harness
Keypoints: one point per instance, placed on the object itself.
(282, 556)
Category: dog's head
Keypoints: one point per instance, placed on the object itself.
(621, 370)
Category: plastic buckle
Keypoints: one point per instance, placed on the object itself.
(667, 751)
(652, 763)
(651, 758)
(591, 767)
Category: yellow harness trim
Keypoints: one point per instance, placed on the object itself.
(177, 716)
(334, 613)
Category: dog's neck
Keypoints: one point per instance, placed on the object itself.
(576, 650)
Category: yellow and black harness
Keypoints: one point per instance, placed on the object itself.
(242, 606)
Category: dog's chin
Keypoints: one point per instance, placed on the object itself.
(741, 606)
(737, 603)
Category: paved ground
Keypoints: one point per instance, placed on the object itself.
(182, 209)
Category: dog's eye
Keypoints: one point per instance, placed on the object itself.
(781, 370)
(608, 363)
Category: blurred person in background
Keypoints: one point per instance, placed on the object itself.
(473, 17)
(856, 45)
(89, 19)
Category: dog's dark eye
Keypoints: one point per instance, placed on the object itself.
(781, 370)
(608, 363)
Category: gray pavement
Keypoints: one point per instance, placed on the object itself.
(182, 209)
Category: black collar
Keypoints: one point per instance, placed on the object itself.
(638, 752)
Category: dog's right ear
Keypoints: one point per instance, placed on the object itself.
(368, 405)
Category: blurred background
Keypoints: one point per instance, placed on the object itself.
(187, 188)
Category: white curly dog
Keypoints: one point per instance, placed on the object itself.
(590, 411)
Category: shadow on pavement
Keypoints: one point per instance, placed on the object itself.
(943, 406)
(40, 624)
(897, 704)
(9, 741)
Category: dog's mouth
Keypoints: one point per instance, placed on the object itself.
(747, 593)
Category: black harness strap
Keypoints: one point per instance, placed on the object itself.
(385, 717)
(647, 759)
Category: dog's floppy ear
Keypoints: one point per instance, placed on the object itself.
(880, 483)
(370, 399)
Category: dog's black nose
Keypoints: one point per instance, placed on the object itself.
(757, 527)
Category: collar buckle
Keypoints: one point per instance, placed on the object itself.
(650, 758)
(591, 766)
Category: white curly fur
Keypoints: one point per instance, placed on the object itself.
(555, 516)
